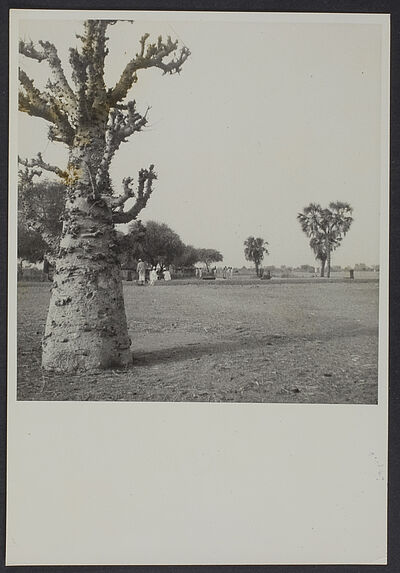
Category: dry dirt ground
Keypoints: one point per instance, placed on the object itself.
(312, 341)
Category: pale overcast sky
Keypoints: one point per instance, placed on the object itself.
(265, 118)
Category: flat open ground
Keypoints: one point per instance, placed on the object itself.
(311, 341)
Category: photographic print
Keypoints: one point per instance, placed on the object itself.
(199, 288)
(199, 220)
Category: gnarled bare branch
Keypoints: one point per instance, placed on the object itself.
(150, 56)
(40, 104)
(94, 51)
(28, 49)
(126, 124)
(79, 76)
(59, 85)
(33, 101)
(119, 202)
(88, 69)
(38, 162)
(121, 124)
(145, 189)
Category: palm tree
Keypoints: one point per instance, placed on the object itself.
(254, 250)
(311, 223)
(326, 229)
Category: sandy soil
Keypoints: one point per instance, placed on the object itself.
(259, 341)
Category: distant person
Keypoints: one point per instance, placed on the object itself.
(153, 276)
(141, 270)
(224, 271)
(167, 275)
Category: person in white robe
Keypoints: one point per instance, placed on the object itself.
(153, 276)
(141, 270)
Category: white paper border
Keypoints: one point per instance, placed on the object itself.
(151, 483)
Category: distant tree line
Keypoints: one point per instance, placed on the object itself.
(43, 202)
(157, 243)
(325, 227)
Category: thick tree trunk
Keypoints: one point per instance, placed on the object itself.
(256, 264)
(86, 325)
(323, 268)
(328, 264)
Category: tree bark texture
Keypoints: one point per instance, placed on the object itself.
(86, 326)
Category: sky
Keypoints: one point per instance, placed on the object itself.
(266, 117)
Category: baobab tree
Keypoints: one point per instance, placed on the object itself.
(254, 250)
(326, 229)
(86, 326)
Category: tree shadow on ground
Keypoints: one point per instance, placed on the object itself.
(195, 350)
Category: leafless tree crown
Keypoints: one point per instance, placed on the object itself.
(89, 107)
